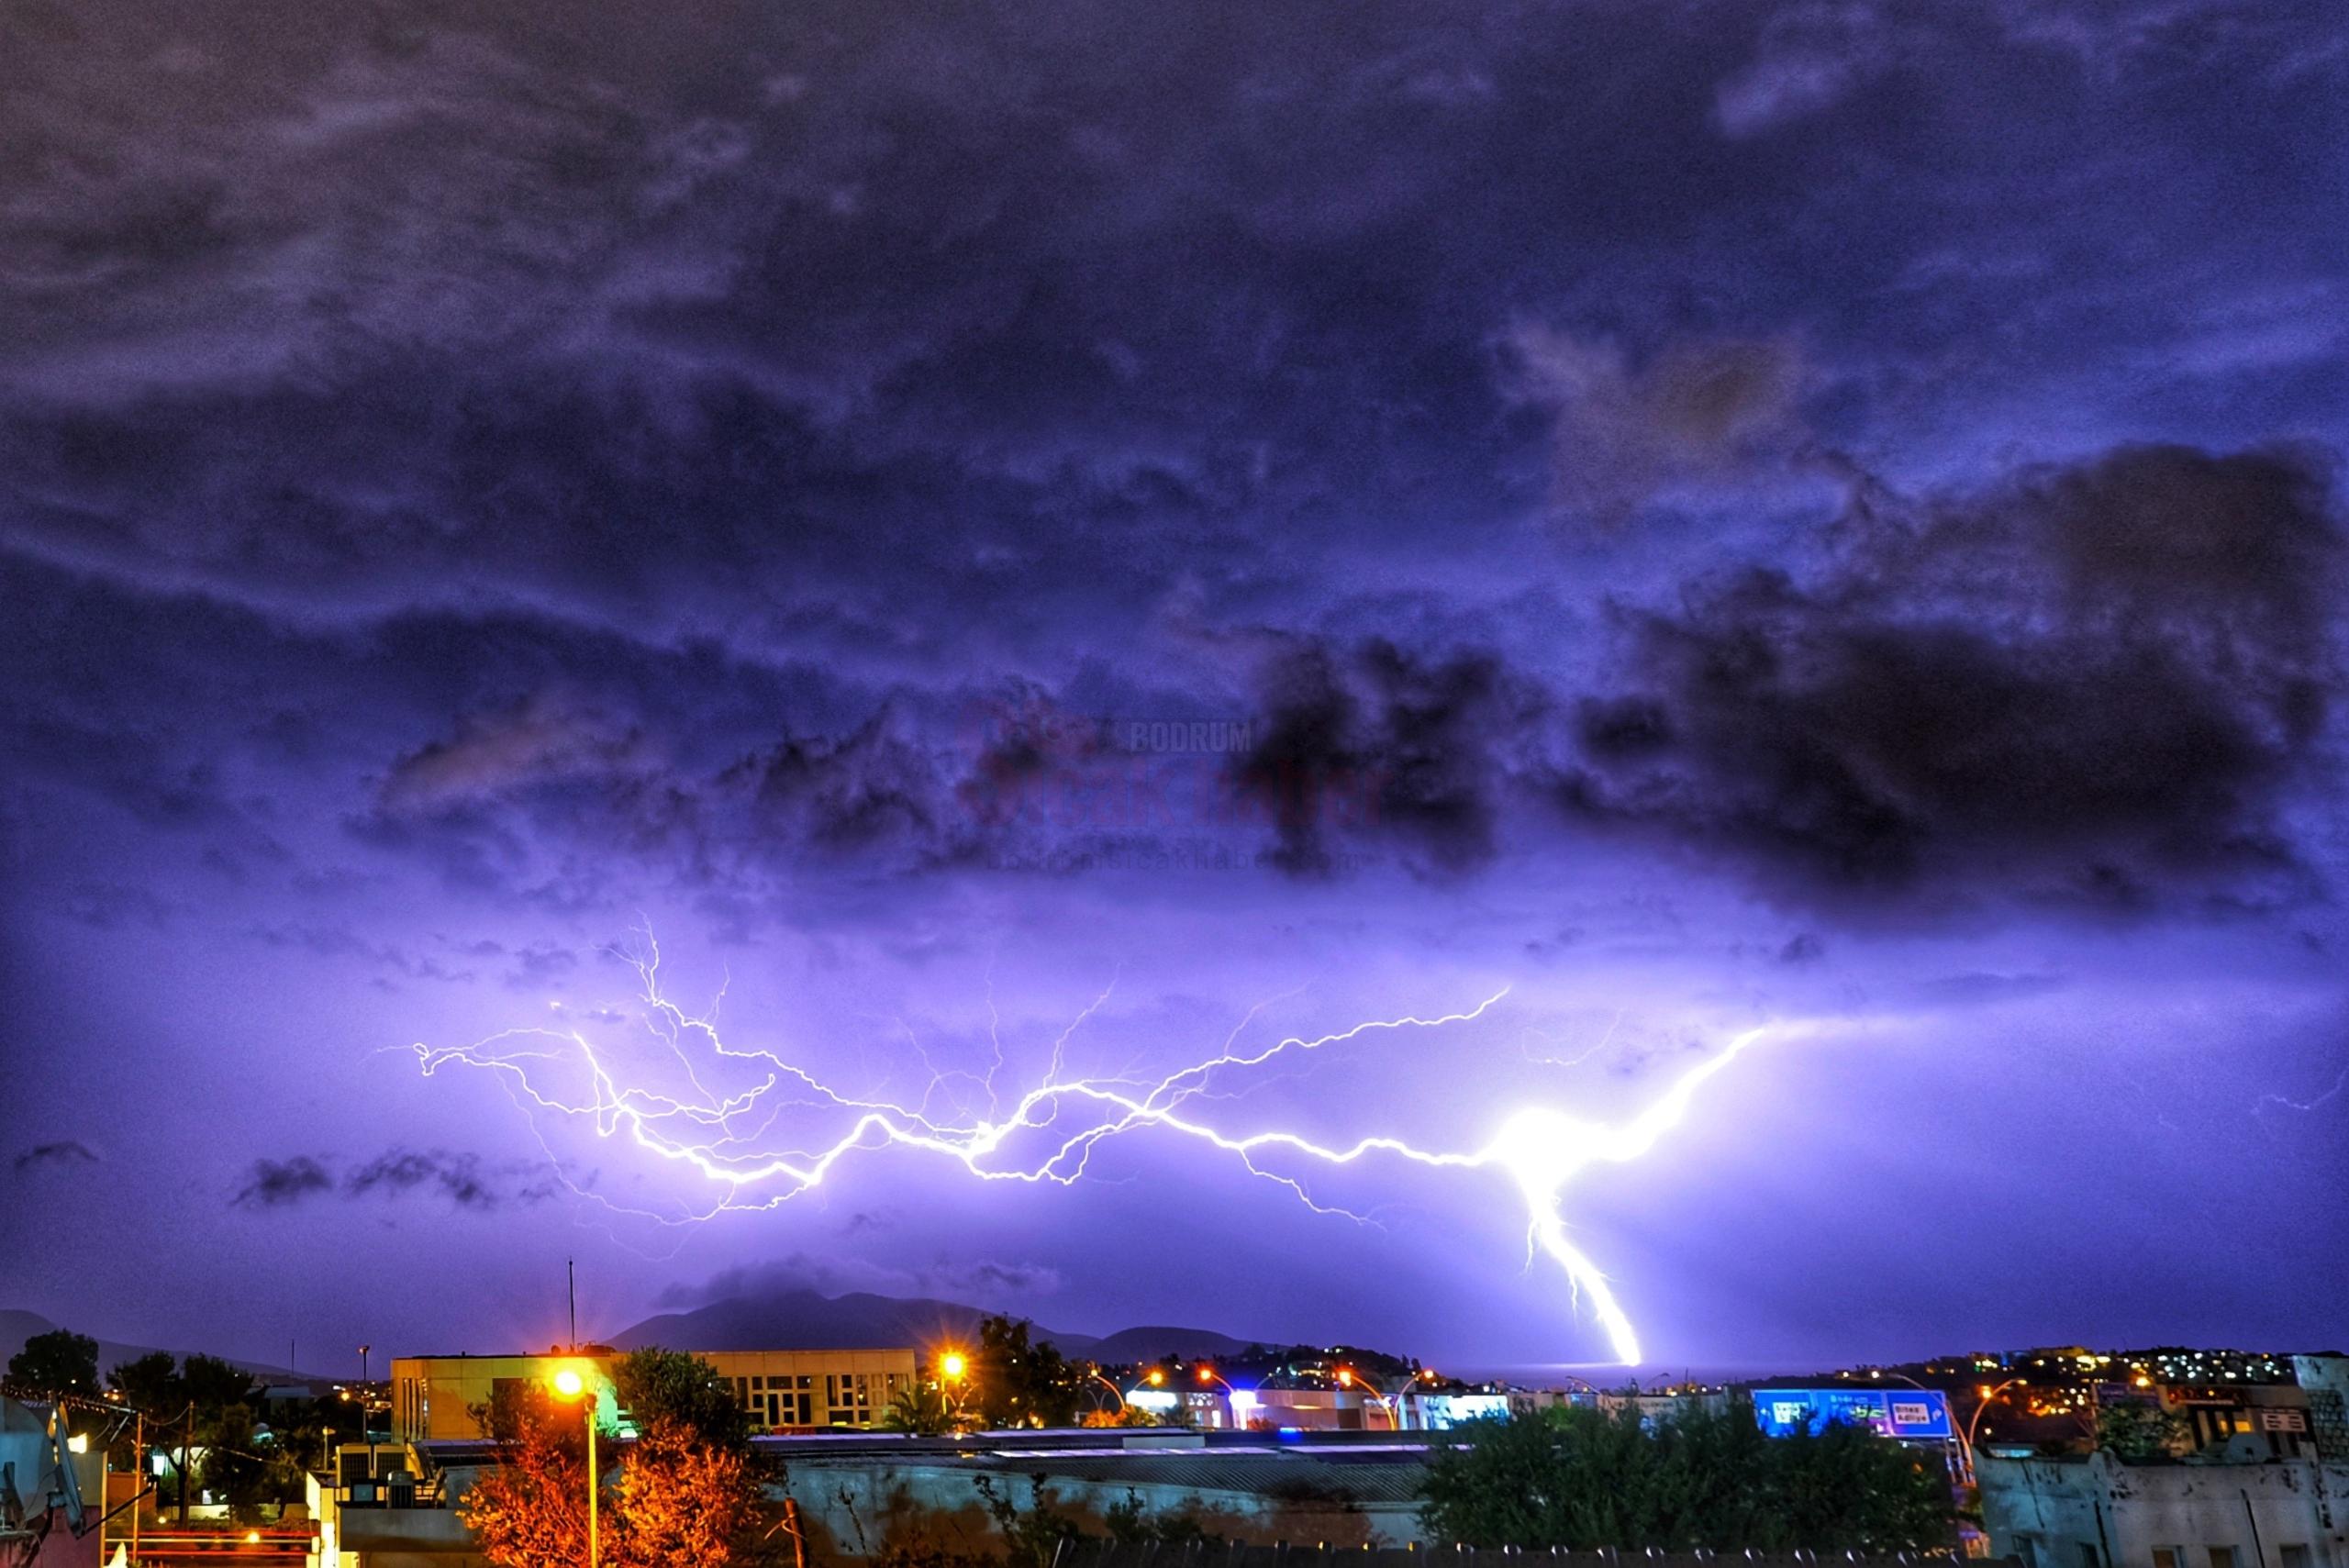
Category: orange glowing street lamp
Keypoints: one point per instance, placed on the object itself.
(1987, 1394)
(1347, 1377)
(1209, 1377)
(570, 1384)
(1116, 1393)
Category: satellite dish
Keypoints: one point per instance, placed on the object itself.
(68, 1494)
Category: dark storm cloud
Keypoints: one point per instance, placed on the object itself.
(2098, 683)
(353, 317)
(1377, 742)
(61, 1155)
(457, 1177)
(465, 1180)
(281, 1184)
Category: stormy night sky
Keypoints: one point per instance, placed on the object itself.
(1089, 535)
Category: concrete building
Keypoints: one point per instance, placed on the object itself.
(786, 1390)
(2094, 1511)
(1355, 1495)
(2324, 1381)
(1317, 1410)
(440, 1397)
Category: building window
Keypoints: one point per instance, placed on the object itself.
(2169, 1557)
(2294, 1555)
(2027, 1549)
(2087, 1555)
(2222, 1557)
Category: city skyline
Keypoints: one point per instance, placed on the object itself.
(1577, 682)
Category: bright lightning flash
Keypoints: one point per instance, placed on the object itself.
(728, 1136)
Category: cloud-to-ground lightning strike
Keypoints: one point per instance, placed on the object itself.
(724, 1136)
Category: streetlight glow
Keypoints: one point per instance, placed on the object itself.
(571, 1384)
(952, 1364)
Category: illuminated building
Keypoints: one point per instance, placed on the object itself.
(443, 1398)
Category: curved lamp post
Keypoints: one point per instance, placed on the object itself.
(1989, 1395)
(1209, 1376)
(1347, 1377)
(1115, 1392)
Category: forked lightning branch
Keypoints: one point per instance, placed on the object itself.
(731, 1136)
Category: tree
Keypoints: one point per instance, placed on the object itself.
(1032, 1538)
(59, 1362)
(1584, 1478)
(1017, 1383)
(531, 1509)
(685, 1503)
(215, 1384)
(654, 1386)
(512, 1409)
(677, 1501)
(2137, 1433)
(235, 1470)
(1847, 1488)
(919, 1409)
(151, 1384)
(1130, 1523)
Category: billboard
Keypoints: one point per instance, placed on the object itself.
(1914, 1415)
(1441, 1412)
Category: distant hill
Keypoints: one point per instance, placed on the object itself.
(17, 1326)
(1149, 1343)
(808, 1320)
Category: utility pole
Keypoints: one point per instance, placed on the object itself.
(187, 1444)
(366, 1422)
(571, 1279)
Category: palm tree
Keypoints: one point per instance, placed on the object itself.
(919, 1409)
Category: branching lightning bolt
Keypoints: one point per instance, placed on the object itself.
(727, 1137)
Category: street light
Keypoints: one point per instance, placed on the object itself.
(1208, 1374)
(569, 1385)
(953, 1365)
(366, 1419)
(1988, 1395)
(1347, 1377)
(1116, 1393)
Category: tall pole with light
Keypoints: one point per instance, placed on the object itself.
(1347, 1377)
(568, 1386)
(1116, 1393)
(366, 1422)
(1208, 1374)
(1988, 1395)
(954, 1366)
